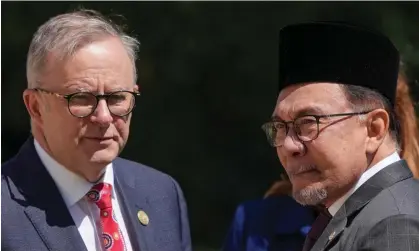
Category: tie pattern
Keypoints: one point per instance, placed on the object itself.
(317, 229)
(101, 195)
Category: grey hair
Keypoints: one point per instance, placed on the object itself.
(365, 99)
(310, 195)
(64, 34)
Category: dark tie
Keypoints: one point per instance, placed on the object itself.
(317, 228)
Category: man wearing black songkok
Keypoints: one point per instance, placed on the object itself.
(336, 135)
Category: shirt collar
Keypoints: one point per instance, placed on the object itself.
(394, 157)
(71, 186)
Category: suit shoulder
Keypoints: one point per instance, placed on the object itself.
(406, 185)
(7, 167)
(402, 198)
(396, 232)
(11, 196)
(405, 196)
(8, 175)
(395, 205)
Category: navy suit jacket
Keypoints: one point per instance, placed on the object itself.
(35, 217)
(275, 223)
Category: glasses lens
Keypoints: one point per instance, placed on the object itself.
(121, 103)
(275, 133)
(306, 128)
(82, 104)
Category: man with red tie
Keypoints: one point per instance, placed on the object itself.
(67, 189)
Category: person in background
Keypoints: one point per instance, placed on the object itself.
(409, 131)
(67, 189)
(276, 222)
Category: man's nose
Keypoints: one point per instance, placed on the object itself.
(292, 145)
(102, 115)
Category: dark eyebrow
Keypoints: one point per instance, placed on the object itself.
(277, 119)
(312, 110)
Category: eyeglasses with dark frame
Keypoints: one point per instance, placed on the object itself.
(83, 104)
(305, 127)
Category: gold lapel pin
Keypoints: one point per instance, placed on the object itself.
(332, 235)
(143, 217)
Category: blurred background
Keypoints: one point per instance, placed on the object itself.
(208, 76)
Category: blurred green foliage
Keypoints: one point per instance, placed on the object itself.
(208, 75)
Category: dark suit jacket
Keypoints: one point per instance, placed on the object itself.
(382, 215)
(35, 217)
(276, 223)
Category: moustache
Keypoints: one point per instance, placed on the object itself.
(301, 169)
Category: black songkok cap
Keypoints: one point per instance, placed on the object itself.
(337, 53)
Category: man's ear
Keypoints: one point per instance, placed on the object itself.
(378, 122)
(31, 100)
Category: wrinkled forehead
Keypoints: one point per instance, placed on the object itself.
(103, 62)
(310, 99)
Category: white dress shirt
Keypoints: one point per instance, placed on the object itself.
(333, 209)
(85, 214)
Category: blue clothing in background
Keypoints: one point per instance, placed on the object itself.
(275, 223)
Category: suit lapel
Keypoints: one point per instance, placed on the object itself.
(45, 208)
(56, 230)
(385, 178)
(131, 202)
(333, 231)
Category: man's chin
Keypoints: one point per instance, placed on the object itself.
(103, 157)
(310, 195)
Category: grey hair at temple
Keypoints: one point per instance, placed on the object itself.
(363, 99)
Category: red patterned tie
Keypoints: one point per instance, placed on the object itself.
(101, 194)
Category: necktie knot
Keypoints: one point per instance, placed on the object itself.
(101, 195)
